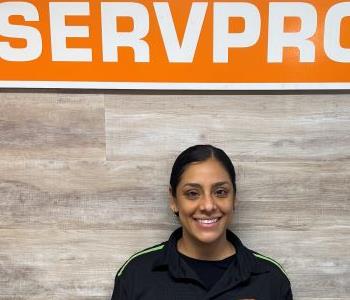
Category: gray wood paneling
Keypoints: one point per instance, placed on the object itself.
(250, 128)
(65, 264)
(83, 184)
(81, 195)
(51, 126)
(86, 194)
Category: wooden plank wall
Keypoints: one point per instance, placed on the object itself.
(84, 177)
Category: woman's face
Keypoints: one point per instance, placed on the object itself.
(205, 202)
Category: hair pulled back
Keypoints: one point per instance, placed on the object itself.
(199, 153)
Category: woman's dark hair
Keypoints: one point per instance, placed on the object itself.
(200, 153)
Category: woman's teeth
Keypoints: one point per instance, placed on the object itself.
(207, 221)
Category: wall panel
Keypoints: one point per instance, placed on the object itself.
(83, 184)
(51, 126)
(251, 128)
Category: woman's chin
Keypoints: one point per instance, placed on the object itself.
(208, 237)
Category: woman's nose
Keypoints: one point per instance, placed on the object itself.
(207, 203)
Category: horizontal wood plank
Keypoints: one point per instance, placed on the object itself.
(51, 126)
(85, 194)
(68, 263)
(248, 127)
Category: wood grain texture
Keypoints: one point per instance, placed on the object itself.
(65, 264)
(51, 126)
(86, 194)
(68, 263)
(74, 207)
(81, 194)
(250, 128)
(289, 221)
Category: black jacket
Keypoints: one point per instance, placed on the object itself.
(159, 273)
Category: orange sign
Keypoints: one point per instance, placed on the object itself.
(175, 44)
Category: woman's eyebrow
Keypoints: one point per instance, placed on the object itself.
(220, 183)
(192, 184)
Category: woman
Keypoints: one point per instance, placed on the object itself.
(202, 259)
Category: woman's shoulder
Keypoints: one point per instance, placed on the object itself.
(270, 264)
(142, 259)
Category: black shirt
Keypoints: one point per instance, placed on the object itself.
(209, 271)
(159, 273)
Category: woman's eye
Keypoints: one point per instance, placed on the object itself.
(221, 193)
(192, 194)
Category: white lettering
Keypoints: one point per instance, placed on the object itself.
(60, 31)
(223, 39)
(278, 39)
(112, 38)
(33, 48)
(332, 26)
(180, 53)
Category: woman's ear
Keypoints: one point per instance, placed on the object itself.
(235, 202)
(172, 202)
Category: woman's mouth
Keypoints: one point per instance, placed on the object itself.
(207, 222)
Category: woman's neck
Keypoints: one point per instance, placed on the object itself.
(216, 250)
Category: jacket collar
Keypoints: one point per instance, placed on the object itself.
(247, 263)
(171, 260)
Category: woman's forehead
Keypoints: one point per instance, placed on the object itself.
(209, 170)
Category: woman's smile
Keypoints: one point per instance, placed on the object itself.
(207, 222)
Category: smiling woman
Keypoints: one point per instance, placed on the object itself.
(203, 195)
(203, 259)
